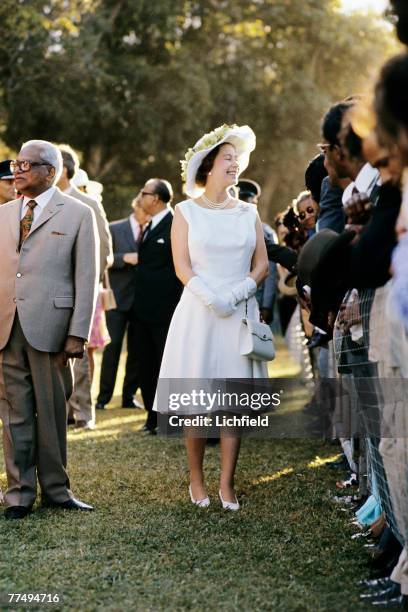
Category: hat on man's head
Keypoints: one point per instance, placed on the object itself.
(5, 172)
(248, 189)
(241, 137)
(80, 178)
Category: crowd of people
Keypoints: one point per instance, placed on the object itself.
(350, 234)
(179, 286)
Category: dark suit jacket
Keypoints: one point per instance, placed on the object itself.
(370, 258)
(157, 288)
(280, 254)
(331, 215)
(122, 276)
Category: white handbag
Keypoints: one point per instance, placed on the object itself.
(256, 339)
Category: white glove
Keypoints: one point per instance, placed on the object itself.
(222, 305)
(244, 290)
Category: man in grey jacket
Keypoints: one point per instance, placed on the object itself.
(48, 287)
(80, 405)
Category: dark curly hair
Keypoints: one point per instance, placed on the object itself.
(391, 96)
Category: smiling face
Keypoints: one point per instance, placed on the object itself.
(225, 170)
(307, 210)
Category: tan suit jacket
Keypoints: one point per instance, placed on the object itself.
(53, 280)
(105, 238)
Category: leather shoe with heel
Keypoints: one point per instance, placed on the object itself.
(227, 505)
(16, 512)
(70, 504)
(201, 503)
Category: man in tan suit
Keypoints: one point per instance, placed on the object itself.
(48, 285)
(80, 403)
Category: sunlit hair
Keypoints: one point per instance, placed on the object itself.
(69, 159)
(302, 197)
(48, 153)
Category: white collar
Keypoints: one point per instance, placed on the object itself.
(42, 199)
(158, 217)
(365, 182)
(134, 226)
(70, 189)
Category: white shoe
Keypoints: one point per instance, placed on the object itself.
(229, 505)
(202, 503)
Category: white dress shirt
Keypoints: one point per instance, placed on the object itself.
(158, 217)
(135, 227)
(366, 180)
(42, 201)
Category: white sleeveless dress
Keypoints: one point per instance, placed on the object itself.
(201, 345)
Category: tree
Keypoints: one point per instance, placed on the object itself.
(133, 83)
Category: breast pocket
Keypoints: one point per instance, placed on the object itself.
(64, 302)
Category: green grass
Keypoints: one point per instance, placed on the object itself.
(147, 548)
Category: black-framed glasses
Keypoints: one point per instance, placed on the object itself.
(309, 210)
(143, 193)
(325, 146)
(25, 165)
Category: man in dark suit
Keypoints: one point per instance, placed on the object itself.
(7, 189)
(157, 290)
(126, 237)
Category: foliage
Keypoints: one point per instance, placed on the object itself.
(132, 84)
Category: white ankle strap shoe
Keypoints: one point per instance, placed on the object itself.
(229, 505)
(201, 503)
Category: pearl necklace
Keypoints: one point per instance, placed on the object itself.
(216, 205)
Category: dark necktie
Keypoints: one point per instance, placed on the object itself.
(27, 221)
(146, 231)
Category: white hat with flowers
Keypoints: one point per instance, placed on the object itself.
(241, 137)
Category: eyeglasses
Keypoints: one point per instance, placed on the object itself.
(24, 165)
(324, 147)
(309, 210)
(143, 193)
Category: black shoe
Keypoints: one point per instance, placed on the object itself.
(149, 430)
(399, 603)
(388, 593)
(100, 406)
(341, 464)
(132, 403)
(16, 512)
(70, 504)
(376, 583)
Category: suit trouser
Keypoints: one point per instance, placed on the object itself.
(117, 321)
(150, 340)
(34, 389)
(80, 403)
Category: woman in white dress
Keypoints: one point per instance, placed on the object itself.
(220, 256)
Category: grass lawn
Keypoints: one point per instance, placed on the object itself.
(147, 548)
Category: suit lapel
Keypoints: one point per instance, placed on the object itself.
(159, 227)
(15, 221)
(53, 207)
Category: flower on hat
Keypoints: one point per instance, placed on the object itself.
(208, 140)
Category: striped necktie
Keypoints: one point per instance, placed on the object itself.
(27, 221)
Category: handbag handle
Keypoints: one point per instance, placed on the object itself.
(105, 280)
